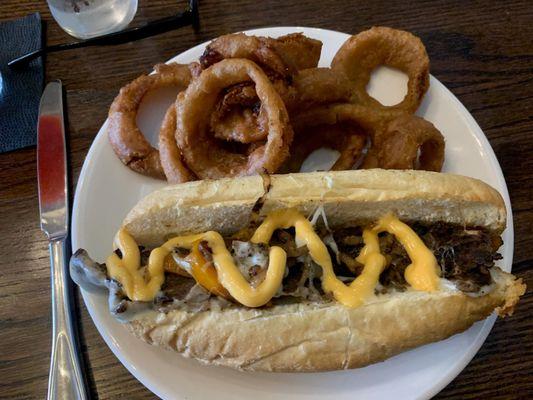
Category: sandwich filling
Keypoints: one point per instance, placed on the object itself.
(288, 258)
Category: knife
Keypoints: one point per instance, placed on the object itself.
(66, 379)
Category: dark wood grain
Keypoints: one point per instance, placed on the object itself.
(481, 50)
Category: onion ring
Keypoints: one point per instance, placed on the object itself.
(125, 137)
(196, 69)
(371, 120)
(404, 138)
(397, 137)
(363, 52)
(282, 56)
(348, 139)
(240, 45)
(238, 122)
(316, 86)
(297, 51)
(239, 117)
(171, 159)
(207, 158)
(343, 127)
(279, 58)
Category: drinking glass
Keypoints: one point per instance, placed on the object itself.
(89, 18)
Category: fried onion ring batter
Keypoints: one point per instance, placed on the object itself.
(362, 53)
(240, 45)
(316, 86)
(204, 155)
(410, 142)
(342, 127)
(239, 116)
(297, 51)
(279, 58)
(171, 159)
(282, 56)
(348, 139)
(125, 137)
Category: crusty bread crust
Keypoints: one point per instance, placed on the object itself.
(348, 198)
(318, 337)
(305, 337)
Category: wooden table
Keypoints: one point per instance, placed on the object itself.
(482, 51)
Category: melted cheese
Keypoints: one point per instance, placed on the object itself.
(127, 270)
(205, 273)
(351, 295)
(423, 272)
(142, 284)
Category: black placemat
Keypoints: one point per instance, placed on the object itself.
(20, 89)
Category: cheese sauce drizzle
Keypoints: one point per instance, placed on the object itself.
(126, 270)
(142, 284)
(351, 295)
(423, 272)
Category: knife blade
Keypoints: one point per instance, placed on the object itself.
(66, 380)
(51, 163)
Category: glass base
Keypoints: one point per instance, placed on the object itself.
(95, 19)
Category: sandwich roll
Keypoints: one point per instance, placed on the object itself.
(306, 272)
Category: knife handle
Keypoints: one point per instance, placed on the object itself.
(66, 379)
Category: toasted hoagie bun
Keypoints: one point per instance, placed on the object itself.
(308, 335)
(348, 198)
(307, 338)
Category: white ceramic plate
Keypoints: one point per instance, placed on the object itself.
(107, 190)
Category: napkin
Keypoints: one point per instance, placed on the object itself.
(20, 89)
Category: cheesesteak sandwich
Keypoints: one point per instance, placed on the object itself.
(307, 272)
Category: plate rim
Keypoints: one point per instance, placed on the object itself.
(469, 120)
